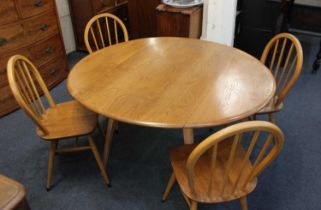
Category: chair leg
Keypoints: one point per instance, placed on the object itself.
(243, 202)
(98, 159)
(317, 62)
(193, 205)
(109, 137)
(188, 201)
(254, 117)
(51, 160)
(271, 118)
(116, 127)
(101, 130)
(169, 186)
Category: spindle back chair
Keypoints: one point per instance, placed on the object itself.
(103, 30)
(283, 55)
(27, 85)
(225, 166)
(54, 122)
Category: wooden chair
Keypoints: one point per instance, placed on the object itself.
(54, 121)
(103, 30)
(221, 168)
(284, 57)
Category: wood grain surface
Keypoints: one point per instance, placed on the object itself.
(172, 83)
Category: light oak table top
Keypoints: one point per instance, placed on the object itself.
(171, 83)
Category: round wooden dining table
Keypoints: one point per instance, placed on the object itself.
(171, 83)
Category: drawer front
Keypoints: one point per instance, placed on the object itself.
(7, 101)
(3, 78)
(46, 50)
(53, 72)
(3, 64)
(12, 37)
(41, 27)
(8, 12)
(31, 8)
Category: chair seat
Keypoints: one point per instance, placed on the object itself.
(12, 193)
(203, 192)
(66, 120)
(270, 107)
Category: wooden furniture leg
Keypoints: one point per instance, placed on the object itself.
(101, 130)
(243, 202)
(187, 200)
(109, 137)
(116, 127)
(317, 62)
(271, 118)
(51, 160)
(188, 134)
(169, 186)
(98, 159)
(194, 205)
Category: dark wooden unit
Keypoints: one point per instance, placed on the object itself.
(179, 22)
(30, 28)
(256, 25)
(83, 10)
(307, 20)
(142, 17)
(300, 19)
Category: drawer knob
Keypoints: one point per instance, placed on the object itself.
(39, 3)
(44, 27)
(53, 72)
(49, 50)
(3, 41)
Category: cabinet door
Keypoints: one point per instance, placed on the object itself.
(142, 17)
(30, 8)
(7, 12)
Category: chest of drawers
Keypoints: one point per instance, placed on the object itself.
(30, 28)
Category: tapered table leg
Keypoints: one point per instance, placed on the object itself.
(109, 137)
(188, 134)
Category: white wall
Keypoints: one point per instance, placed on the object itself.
(66, 25)
(219, 21)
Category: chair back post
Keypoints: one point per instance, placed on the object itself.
(25, 83)
(102, 32)
(285, 56)
(235, 133)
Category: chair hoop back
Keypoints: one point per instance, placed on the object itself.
(241, 164)
(102, 31)
(284, 56)
(27, 86)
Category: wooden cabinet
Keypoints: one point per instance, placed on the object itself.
(83, 10)
(142, 17)
(179, 22)
(30, 28)
(256, 26)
